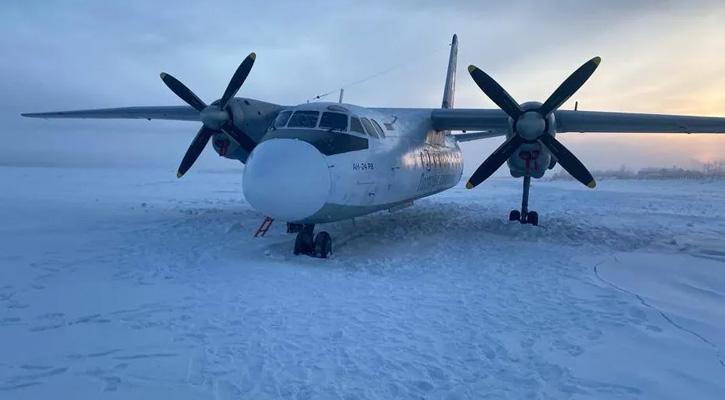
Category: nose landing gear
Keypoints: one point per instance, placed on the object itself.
(525, 216)
(307, 243)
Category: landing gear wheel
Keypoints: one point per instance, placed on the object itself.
(532, 218)
(323, 245)
(514, 215)
(304, 243)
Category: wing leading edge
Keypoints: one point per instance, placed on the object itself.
(173, 113)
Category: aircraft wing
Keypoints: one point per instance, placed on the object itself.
(175, 113)
(595, 121)
(467, 119)
(462, 119)
(467, 137)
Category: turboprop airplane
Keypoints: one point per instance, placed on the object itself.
(322, 162)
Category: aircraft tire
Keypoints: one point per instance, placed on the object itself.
(304, 243)
(323, 245)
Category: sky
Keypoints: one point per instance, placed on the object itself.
(658, 56)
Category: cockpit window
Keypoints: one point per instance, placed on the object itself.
(333, 121)
(356, 126)
(282, 119)
(304, 119)
(378, 128)
(369, 127)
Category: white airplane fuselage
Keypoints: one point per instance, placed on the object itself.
(315, 175)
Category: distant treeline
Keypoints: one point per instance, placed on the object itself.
(710, 170)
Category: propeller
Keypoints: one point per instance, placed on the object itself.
(530, 125)
(215, 117)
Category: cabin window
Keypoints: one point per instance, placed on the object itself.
(333, 121)
(304, 119)
(369, 127)
(356, 126)
(282, 119)
(378, 128)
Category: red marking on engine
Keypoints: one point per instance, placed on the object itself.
(528, 156)
(223, 146)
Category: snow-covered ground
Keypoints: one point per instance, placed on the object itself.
(131, 284)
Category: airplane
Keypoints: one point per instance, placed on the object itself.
(321, 162)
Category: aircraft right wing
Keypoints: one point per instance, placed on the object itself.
(174, 113)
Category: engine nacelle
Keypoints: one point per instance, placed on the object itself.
(531, 158)
(222, 143)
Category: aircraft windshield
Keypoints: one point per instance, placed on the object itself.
(356, 126)
(304, 119)
(378, 128)
(282, 119)
(333, 120)
(369, 127)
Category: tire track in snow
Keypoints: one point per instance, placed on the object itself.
(718, 354)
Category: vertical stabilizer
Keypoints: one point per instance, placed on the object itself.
(450, 89)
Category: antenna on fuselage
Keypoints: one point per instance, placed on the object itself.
(341, 93)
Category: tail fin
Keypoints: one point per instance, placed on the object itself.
(450, 90)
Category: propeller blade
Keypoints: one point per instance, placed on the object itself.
(494, 161)
(567, 89)
(196, 147)
(495, 92)
(568, 161)
(237, 79)
(240, 137)
(182, 91)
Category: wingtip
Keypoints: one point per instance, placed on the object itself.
(472, 68)
(597, 60)
(179, 174)
(592, 184)
(162, 75)
(469, 185)
(253, 55)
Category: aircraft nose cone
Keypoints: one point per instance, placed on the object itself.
(286, 179)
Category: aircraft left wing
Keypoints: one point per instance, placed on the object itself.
(467, 137)
(459, 119)
(174, 113)
(467, 119)
(611, 122)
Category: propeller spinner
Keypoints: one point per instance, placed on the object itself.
(530, 125)
(215, 117)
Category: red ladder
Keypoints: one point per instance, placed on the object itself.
(262, 230)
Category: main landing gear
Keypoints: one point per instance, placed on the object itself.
(307, 243)
(525, 216)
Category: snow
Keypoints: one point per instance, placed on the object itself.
(118, 284)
